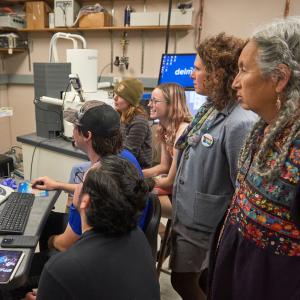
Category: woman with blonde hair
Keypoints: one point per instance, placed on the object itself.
(136, 131)
(168, 105)
(258, 250)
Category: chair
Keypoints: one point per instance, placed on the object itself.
(152, 223)
(162, 254)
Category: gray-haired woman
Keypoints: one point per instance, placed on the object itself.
(258, 251)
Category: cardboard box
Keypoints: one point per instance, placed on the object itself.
(95, 20)
(177, 17)
(144, 19)
(37, 14)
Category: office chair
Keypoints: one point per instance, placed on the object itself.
(152, 223)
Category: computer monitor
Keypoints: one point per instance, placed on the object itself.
(177, 68)
(194, 101)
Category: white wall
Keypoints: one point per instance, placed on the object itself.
(237, 17)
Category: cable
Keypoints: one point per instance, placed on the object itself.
(198, 23)
(103, 70)
(77, 176)
(168, 27)
(60, 114)
(32, 157)
(64, 97)
(33, 153)
(16, 147)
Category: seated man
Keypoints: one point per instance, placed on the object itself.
(97, 133)
(97, 266)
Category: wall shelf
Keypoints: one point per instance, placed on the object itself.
(115, 28)
(12, 50)
(12, 2)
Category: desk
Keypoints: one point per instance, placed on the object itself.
(51, 157)
(40, 211)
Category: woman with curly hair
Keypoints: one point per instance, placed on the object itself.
(207, 163)
(136, 132)
(258, 251)
(168, 105)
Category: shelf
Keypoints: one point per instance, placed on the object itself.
(116, 28)
(14, 50)
(12, 2)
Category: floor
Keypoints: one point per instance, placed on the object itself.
(166, 290)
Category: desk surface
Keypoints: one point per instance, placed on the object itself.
(40, 211)
(56, 144)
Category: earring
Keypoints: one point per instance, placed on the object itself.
(278, 103)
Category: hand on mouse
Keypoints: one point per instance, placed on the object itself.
(45, 183)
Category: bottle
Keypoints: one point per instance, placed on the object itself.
(127, 13)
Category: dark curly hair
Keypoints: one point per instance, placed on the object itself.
(220, 56)
(105, 145)
(118, 196)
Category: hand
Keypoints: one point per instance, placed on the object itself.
(45, 183)
(30, 296)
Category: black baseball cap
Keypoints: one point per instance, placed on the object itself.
(95, 116)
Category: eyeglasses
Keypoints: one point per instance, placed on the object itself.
(155, 101)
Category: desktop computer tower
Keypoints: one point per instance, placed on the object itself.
(50, 79)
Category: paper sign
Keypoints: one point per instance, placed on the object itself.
(6, 112)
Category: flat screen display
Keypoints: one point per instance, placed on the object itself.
(9, 263)
(177, 68)
(194, 101)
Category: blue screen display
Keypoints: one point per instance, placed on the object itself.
(177, 68)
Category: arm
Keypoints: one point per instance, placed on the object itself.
(163, 167)
(63, 241)
(235, 136)
(136, 135)
(167, 182)
(46, 183)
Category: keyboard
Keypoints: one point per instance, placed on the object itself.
(15, 213)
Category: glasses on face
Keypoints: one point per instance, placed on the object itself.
(155, 101)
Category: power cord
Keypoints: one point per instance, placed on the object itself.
(100, 76)
(32, 157)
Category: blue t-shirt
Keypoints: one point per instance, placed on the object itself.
(74, 216)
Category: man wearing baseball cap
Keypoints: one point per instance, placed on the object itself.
(97, 133)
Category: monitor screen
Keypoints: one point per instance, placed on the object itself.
(194, 101)
(177, 68)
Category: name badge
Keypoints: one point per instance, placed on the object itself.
(207, 140)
